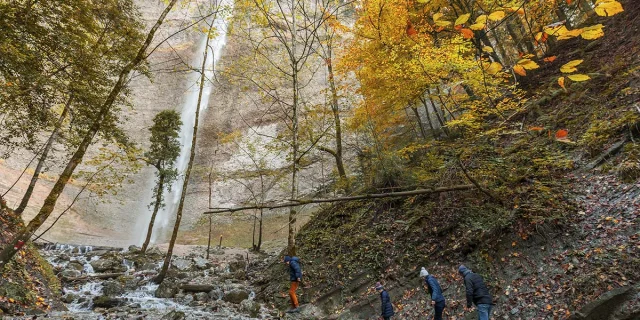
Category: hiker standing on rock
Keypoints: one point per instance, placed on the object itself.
(477, 293)
(387, 307)
(437, 298)
(295, 275)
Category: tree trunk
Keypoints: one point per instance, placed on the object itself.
(43, 157)
(183, 193)
(23, 235)
(426, 111)
(156, 207)
(291, 240)
(419, 120)
(260, 232)
(336, 118)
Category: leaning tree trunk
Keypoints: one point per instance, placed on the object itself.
(23, 235)
(183, 193)
(43, 157)
(336, 118)
(156, 208)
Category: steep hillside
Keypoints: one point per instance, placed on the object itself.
(550, 235)
(28, 285)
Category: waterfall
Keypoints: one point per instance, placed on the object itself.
(165, 217)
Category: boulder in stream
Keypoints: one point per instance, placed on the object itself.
(107, 302)
(236, 296)
(75, 265)
(70, 273)
(106, 265)
(174, 315)
(112, 288)
(167, 289)
(181, 264)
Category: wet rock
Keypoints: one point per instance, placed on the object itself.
(167, 289)
(104, 265)
(250, 307)
(235, 296)
(237, 265)
(174, 315)
(70, 273)
(154, 252)
(149, 266)
(107, 302)
(216, 294)
(201, 263)
(112, 288)
(69, 298)
(187, 299)
(605, 306)
(181, 264)
(75, 265)
(202, 296)
(134, 249)
(240, 275)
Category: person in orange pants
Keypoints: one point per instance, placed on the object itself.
(295, 275)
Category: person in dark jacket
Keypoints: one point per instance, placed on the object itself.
(387, 307)
(295, 276)
(477, 293)
(437, 298)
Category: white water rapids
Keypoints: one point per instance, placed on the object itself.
(166, 215)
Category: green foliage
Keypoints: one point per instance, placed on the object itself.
(165, 148)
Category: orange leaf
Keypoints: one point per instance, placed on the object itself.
(550, 59)
(410, 30)
(561, 134)
(561, 82)
(458, 27)
(536, 128)
(439, 29)
(467, 33)
(569, 1)
(519, 70)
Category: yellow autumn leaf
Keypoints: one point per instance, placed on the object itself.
(528, 64)
(462, 19)
(518, 10)
(477, 26)
(496, 16)
(492, 68)
(437, 16)
(443, 23)
(482, 19)
(570, 66)
(570, 34)
(424, 1)
(592, 32)
(556, 31)
(578, 77)
(561, 82)
(520, 70)
(609, 8)
(487, 49)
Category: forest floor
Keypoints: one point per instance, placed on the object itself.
(545, 269)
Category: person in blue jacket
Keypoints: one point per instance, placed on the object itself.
(387, 307)
(437, 298)
(295, 276)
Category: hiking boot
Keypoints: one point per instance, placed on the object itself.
(294, 310)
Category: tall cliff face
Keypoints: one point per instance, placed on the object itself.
(122, 219)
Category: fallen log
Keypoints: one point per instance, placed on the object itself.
(197, 287)
(100, 276)
(301, 202)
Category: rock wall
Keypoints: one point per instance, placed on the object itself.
(121, 219)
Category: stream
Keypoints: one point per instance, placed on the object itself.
(112, 283)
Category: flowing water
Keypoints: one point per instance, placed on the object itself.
(138, 301)
(166, 214)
